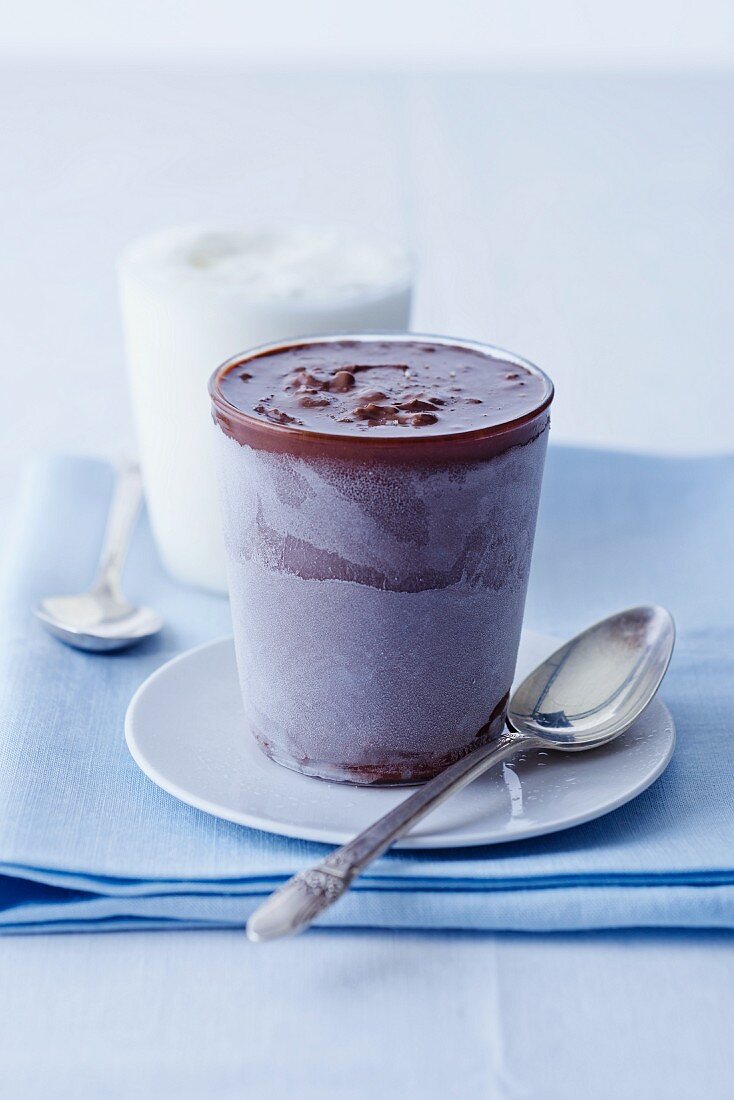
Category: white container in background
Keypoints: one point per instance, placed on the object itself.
(193, 297)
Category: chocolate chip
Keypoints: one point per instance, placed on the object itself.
(373, 395)
(245, 376)
(308, 402)
(342, 382)
(379, 413)
(276, 415)
(416, 404)
(301, 379)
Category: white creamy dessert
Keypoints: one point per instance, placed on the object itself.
(192, 297)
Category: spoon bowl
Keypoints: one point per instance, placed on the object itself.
(594, 687)
(102, 620)
(98, 621)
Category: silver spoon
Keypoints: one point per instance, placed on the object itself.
(583, 696)
(102, 619)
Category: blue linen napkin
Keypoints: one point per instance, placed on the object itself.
(88, 842)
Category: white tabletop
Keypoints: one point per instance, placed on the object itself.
(585, 222)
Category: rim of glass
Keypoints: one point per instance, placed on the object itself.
(285, 431)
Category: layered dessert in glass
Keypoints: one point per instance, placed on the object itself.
(379, 497)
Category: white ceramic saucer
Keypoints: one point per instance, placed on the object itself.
(185, 728)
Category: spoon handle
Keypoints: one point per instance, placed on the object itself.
(126, 499)
(296, 904)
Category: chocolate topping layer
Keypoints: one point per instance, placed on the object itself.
(386, 388)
